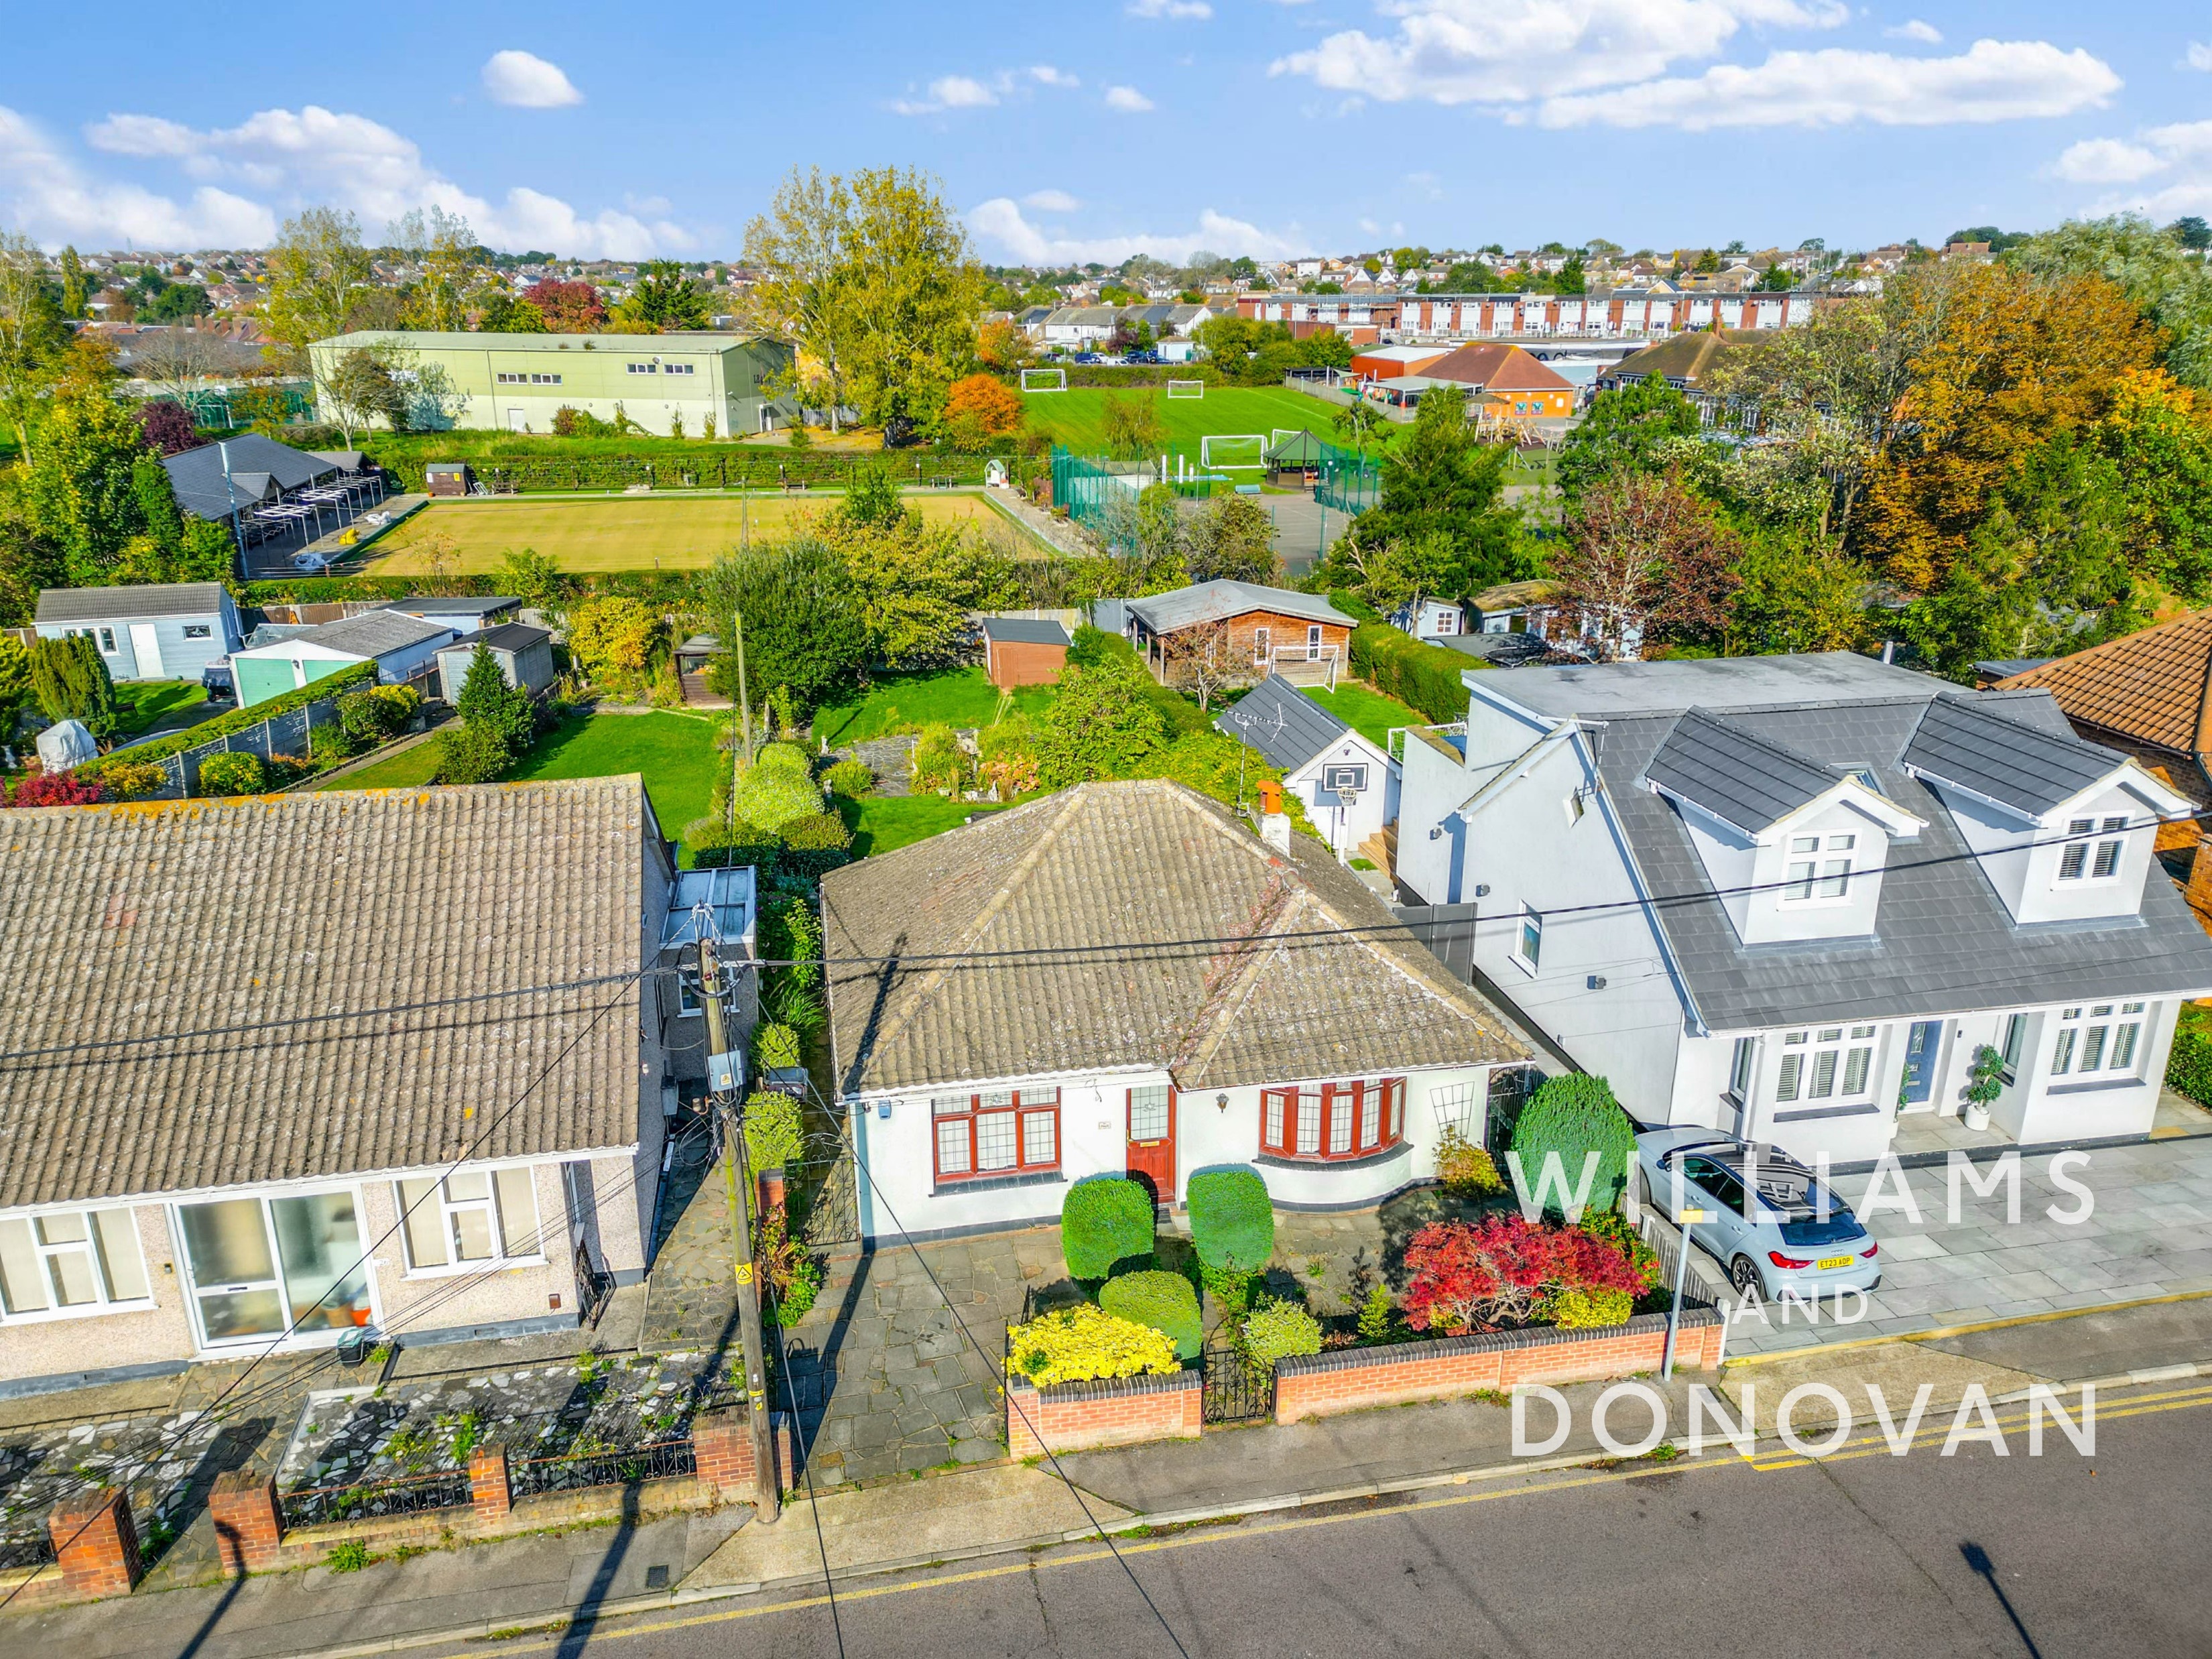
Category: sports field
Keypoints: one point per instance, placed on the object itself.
(1077, 417)
(631, 532)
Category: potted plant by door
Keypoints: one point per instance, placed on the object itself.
(1985, 1083)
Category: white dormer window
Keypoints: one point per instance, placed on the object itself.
(2092, 851)
(1814, 878)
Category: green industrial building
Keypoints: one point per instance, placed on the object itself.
(518, 382)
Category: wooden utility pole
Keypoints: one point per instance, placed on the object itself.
(721, 1072)
(744, 693)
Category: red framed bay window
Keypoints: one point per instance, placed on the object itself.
(1001, 1132)
(1328, 1122)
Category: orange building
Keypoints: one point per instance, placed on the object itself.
(1517, 382)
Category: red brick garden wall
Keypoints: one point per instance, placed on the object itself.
(1078, 1416)
(1353, 1379)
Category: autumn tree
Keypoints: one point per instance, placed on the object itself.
(1645, 558)
(1204, 660)
(2159, 271)
(2011, 359)
(568, 307)
(979, 408)
(1001, 346)
(445, 250)
(1131, 425)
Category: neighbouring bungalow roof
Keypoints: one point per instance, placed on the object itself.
(2154, 686)
(1280, 721)
(152, 600)
(1218, 601)
(918, 996)
(372, 634)
(328, 904)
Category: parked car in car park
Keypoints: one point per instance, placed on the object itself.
(1767, 1220)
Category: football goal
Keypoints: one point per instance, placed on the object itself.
(1283, 432)
(1229, 452)
(1185, 388)
(1044, 380)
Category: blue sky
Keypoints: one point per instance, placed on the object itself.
(1244, 127)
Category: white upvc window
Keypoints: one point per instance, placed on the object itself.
(2093, 850)
(67, 1262)
(2097, 1037)
(1834, 1062)
(1819, 869)
(472, 1219)
(1529, 940)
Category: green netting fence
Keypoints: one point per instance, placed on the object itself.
(1350, 482)
(1097, 496)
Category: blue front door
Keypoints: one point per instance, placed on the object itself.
(1922, 1047)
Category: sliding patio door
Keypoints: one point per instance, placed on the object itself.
(261, 1267)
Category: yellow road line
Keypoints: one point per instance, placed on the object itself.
(2135, 1407)
(1943, 1332)
(1874, 1445)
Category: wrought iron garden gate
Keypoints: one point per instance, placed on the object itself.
(1236, 1389)
(822, 1188)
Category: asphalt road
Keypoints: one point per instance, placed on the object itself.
(1860, 1554)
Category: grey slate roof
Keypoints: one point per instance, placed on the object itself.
(508, 636)
(137, 603)
(323, 904)
(196, 475)
(456, 604)
(373, 633)
(1024, 630)
(1739, 777)
(1280, 721)
(1215, 601)
(1966, 741)
(1122, 864)
(1944, 942)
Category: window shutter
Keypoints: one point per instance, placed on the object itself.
(1785, 1087)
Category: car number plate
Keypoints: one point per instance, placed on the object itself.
(1834, 1262)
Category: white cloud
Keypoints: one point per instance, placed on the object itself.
(1128, 101)
(288, 158)
(1991, 81)
(1926, 33)
(2106, 162)
(2200, 56)
(1051, 201)
(2178, 157)
(47, 194)
(1000, 223)
(1172, 9)
(1507, 52)
(968, 92)
(528, 82)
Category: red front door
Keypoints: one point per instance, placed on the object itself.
(1152, 1141)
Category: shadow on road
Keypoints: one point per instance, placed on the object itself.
(1979, 1562)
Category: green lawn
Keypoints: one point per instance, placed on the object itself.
(676, 753)
(139, 703)
(882, 823)
(1077, 417)
(956, 697)
(1366, 711)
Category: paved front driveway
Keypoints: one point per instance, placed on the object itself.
(2148, 1234)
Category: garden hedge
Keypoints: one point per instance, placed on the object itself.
(1081, 1344)
(1232, 1220)
(1279, 1330)
(1104, 1220)
(1573, 1116)
(239, 719)
(1164, 1301)
(232, 774)
(613, 464)
(1425, 676)
(2189, 1066)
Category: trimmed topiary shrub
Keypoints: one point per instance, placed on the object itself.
(772, 792)
(1572, 1116)
(776, 1132)
(2189, 1066)
(1164, 1301)
(1232, 1222)
(129, 782)
(775, 1047)
(815, 845)
(1079, 1345)
(232, 774)
(1279, 1330)
(1104, 1220)
(1579, 1310)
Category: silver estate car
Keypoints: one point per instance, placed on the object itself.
(1794, 1235)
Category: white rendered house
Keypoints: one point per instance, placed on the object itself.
(1124, 979)
(1348, 787)
(1795, 897)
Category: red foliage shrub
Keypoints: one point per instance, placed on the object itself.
(1482, 1276)
(57, 789)
(568, 308)
(168, 427)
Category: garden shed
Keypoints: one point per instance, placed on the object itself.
(1023, 651)
(525, 656)
(447, 479)
(401, 647)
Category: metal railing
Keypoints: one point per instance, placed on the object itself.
(407, 1494)
(570, 1471)
(28, 1550)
